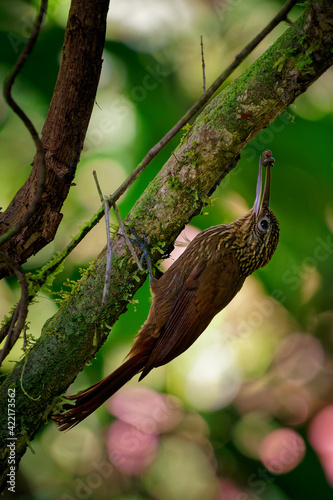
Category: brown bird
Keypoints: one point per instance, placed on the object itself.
(199, 284)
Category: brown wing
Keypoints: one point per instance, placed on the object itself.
(208, 289)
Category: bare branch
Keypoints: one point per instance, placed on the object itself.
(9, 82)
(100, 194)
(108, 253)
(108, 245)
(203, 65)
(108, 239)
(19, 316)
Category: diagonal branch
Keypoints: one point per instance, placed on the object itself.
(208, 152)
(197, 106)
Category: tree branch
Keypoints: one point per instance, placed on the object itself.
(207, 153)
(71, 106)
(7, 91)
(13, 329)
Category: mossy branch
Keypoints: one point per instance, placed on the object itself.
(206, 154)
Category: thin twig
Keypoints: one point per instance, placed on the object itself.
(108, 252)
(25, 343)
(98, 186)
(109, 247)
(108, 239)
(7, 89)
(203, 65)
(9, 325)
(20, 314)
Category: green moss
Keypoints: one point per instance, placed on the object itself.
(187, 128)
(174, 183)
(191, 156)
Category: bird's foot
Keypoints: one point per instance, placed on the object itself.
(143, 245)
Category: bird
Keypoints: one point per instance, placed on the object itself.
(198, 285)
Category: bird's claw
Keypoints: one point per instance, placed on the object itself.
(142, 244)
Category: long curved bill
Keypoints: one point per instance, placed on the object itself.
(256, 205)
(259, 202)
(267, 188)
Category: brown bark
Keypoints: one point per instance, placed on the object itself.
(63, 132)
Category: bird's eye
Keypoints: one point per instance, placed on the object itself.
(263, 225)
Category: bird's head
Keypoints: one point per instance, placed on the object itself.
(258, 231)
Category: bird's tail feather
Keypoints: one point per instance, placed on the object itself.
(88, 400)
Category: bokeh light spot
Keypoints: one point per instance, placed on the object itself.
(321, 438)
(282, 450)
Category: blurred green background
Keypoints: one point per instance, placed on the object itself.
(230, 418)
